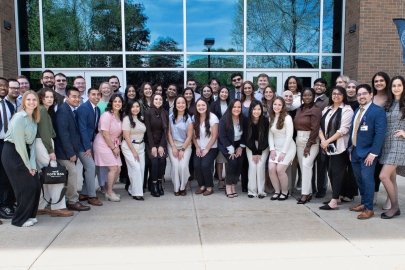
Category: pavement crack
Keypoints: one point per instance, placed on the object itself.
(52, 241)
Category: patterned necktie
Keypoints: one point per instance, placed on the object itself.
(356, 126)
(238, 95)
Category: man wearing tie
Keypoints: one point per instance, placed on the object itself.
(367, 136)
(88, 115)
(68, 144)
(7, 197)
(237, 80)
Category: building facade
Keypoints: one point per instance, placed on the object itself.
(169, 41)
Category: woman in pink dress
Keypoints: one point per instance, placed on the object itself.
(107, 141)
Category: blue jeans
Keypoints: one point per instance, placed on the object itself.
(365, 178)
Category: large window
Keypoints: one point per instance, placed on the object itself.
(172, 40)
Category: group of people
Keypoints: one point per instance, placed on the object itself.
(355, 137)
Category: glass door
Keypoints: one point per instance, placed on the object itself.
(95, 78)
(275, 79)
(307, 78)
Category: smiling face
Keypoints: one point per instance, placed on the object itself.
(31, 102)
(114, 83)
(337, 97)
(48, 80)
(237, 82)
(247, 89)
(214, 86)
(181, 104)
(236, 109)
(60, 82)
(171, 91)
(13, 89)
(188, 95)
(131, 94)
(256, 112)
(397, 88)
(105, 90)
(292, 85)
(351, 90)
(206, 92)
(262, 82)
(24, 85)
(3, 88)
(277, 106)
(379, 83)
(223, 94)
(201, 107)
(307, 97)
(268, 93)
(157, 101)
(135, 109)
(80, 84)
(363, 96)
(117, 104)
(147, 90)
(288, 97)
(74, 98)
(94, 96)
(319, 88)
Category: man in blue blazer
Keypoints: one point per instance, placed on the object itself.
(67, 145)
(367, 136)
(88, 115)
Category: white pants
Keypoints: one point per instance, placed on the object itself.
(257, 173)
(136, 169)
(51, 192)
(306, 163)
(180, 171)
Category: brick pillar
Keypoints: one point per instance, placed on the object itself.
(8, 47)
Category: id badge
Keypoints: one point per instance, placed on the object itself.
(364, 128)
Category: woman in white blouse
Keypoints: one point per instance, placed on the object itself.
(282, 148)
(179, 137)
(133, 148)
(334, 134)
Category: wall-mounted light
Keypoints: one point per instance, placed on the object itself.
(7, 25)
(353, 28)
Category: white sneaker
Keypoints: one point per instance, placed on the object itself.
(34, 220)
(28, 223)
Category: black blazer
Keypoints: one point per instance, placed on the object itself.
(227, 136)
(67, 142)
(263, 141)
(215, 108)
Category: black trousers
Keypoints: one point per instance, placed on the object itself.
(377, 181)
(244, 171)
(233, 169)
(157, 168)
(349, 186)
(27, 188)
(204, 168)
(319, 180)
(336, 171)
(7, 197)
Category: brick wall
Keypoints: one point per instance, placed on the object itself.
(375, 46)
(8, 50)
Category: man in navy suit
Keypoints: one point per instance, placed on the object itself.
(88, 115)
(367, 136)
(7, 197)
(68, 144)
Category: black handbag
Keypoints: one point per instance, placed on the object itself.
(54, 175)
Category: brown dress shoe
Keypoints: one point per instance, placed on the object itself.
(366, 214)
(94, 201)
(358, 208)
(77, 207)
(199, 191)
(61, 213)
(208, 192)
(44, 211)
(83, 198)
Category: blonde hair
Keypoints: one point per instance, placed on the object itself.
(35, 114)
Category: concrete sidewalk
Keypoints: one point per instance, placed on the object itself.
(214, 232)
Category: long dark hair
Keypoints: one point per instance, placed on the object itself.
(252, 97)
(313, 97)
(228, 115)
(126, 93)
(197, 120)
(141, 92)
(202, 93)
(283, 114)
(129, 113)
(110, 102)
(391, 98)
(219, 92)
(176, 112)
(260, 123)
(386, 79)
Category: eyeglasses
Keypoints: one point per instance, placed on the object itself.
(13, 88)
(237, 79)
(62, 80)
(362, 94)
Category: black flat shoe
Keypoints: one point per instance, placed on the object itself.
(283, 197)
(275, 196)
(327, 207)
(304, 199)
(385, 216)
(250, 196)
(138, 198)
(260, 196)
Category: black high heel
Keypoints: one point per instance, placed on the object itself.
(304, 199)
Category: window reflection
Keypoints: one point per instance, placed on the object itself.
(216, 61)
(202, 77)
(219, 21)
(332, 26)
(28, 20)
(267, 61)
(283, 26)
(83, 61)
(136, 78)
